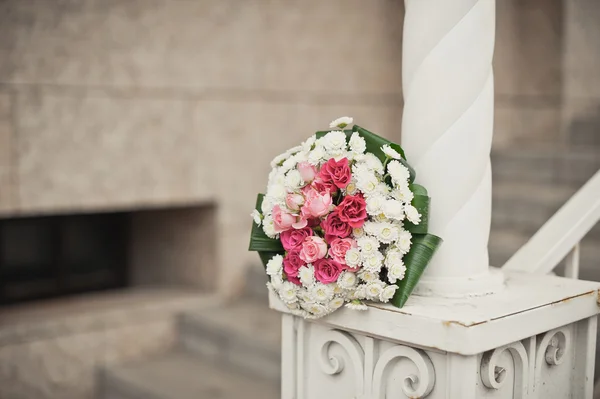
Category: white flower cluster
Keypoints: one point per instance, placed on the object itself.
(373, 260)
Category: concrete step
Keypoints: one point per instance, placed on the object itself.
(505, 242)
(546, 165)
(245, 337)
(526, 207)
(179, 375)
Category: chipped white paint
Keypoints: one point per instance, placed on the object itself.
(447, 128)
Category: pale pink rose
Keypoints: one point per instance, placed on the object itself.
(282, 220)
(300, 223)
(294, 201)
(313, 248)
(316, 204)
(307, 171)
(339, 247)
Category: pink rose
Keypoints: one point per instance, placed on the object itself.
(335, 174)
(316, 204)
(334, 227)
(313, 248)
(283, 221)
(291, 264)
(292, 239)
(339, 247)
(327, 270)
(294, 201)
(353, 210)
(307, 171)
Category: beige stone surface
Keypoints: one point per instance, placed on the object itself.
(7, 180)
(85, 152)
(54, 351)
(254, 44)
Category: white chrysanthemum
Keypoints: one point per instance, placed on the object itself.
(381, 218)
(412, 214)
(267, 205)
(393, 209)
(277, 192)
(398, 172)
(404, 241)
(335, 303)
(358, 232)
(359, 293)
(337, 290)
(368, 276)
(334, 142)
(257, 217)
(383, 189)
(390, 152)
(276, 282)
(374, 289)
(347, 280)
(308, 143)
(396, 272)
(387, 232)
(393, 257)
(370, 228)
(278, 160)
(367, 245)
(306, 274)
(375, 204)
(351, 188)
(293, 180)
(360, 167)
(317, 309)
(373, 163)
(356, 305)
(317, 155)
(274, 265)
(373, 262)
(341, 122)
(293, 306)
(321, 292)
(357, 144)
(288, 291)
(269, 227)
(304, 295)
(353, 257)
(388, 293)
(367, 182)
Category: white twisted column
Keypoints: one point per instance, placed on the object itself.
(447, 132)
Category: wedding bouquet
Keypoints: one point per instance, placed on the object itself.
(342, 221)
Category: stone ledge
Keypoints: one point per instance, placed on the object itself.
(91, 312)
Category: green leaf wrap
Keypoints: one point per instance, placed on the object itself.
(422, 250)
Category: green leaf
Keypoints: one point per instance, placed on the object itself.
(416, 260)
(374, 144)
(259, 241)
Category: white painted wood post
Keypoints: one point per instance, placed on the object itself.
(447, 132)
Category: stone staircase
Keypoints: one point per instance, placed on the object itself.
(529, 186)
(224, 352)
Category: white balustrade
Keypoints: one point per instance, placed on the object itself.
(470, 332)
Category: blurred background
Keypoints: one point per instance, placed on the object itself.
(135, 134)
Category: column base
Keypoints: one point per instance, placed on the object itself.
(487, 283)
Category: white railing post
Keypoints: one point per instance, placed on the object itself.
(447, 129)
(572, 262)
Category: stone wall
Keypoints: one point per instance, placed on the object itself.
(137, 103)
